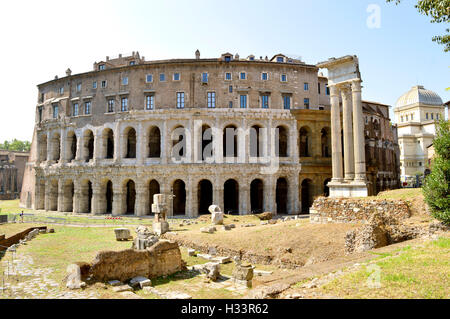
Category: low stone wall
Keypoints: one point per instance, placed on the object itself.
(162, 259)
(339, 210)
(7, 242)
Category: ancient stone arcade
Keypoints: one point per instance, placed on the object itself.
(238, 133)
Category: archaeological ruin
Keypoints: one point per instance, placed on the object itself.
(246, 134)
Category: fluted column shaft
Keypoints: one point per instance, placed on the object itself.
(349, 158)
(358, 126)
(336, 134)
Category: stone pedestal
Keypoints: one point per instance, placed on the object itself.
(161, 227)
(352, 189)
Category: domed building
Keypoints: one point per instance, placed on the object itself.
(416, 113)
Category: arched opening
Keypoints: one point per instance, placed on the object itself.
(326, 189)
(72, 146)
(86, 197)
(255, 141)
(305, 142)
(206, 143)
(108, 144)
(88, 145)
(130, 137)
(154, 189)
(109, 197)
(282, 140)
(204, 196)
(43, 148)
(68, 196)
(326, 142)
(231, 197)
(131, 197)
(306, 196)
(179, 202)
(257, 196)
(56, 147)
(179, 141)
(230, 141)
(154, 142)
(282, 196)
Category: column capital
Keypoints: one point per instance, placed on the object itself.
(334, 90)
(356, 85)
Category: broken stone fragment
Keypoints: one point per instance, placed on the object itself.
(122, 288)
(191, 252)
(265, 216)
(140, 282)
(212, 271)
(208, 230)
(216, 215)
(122, 234)
(74, 277)
(115, 283)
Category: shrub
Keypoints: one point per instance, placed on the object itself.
(437, 185)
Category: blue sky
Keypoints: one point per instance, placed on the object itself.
(49, 37)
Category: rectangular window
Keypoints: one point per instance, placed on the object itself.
(283, 78)
(437, 116)
(180, 100)
(132, 62)
(176, 76)
(124, 106)
(230, 89)
(286, 102)
(104, 84)
(432, 116)
(205, 77)
(61, 90)
(264, 76)
(125, 81)
(243, 76)
(162, 77)
(228, 76)
(230, 105)
(426, 116)
(243, 99)
(87, 108)
(306, 102)
(55, 111)
(79, 87)
(280, 59)
(264, 101)
(75, 109)
(211, 99)
(412, 117)
(318, 87)
(327, 89)
(110, 105)
(306, 86)
(149, 102)
(94, 84)
(149, 78)
(101, 67)
(40, 114)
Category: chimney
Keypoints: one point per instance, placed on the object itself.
(107, 58)
(197, 54)
(69, 72)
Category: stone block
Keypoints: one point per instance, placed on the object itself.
(191, 253)
(115, 283)
(140, 282)
(122, 288)
(245, 283)
(208, 230)
(122, 234)
(74, 277)
(265, 216)
(161, 228)
(216, 215)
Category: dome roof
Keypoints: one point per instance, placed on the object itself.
(418, 94)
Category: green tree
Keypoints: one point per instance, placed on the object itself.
(16, 145)
(437, 185)
(439, 11)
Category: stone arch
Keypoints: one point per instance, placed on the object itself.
(282, 191)
(153, 189)
(109, 197)
(325, 134)
(204, 196)
(230, 141)
(86, 196)
(43, 148)
(71, 146)
(256, 141)
(179, 202)
(179, 142)
(305, 141)
(307, 195)
(130, 142)
(282, 140)
(231, 197)
(56, 147)
(154, 142)
(108, 143)
(88, 145)
(257, 196)
(130, 197)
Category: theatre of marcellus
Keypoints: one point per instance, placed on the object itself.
(248, 134)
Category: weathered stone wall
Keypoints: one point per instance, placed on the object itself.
(7, 242)
(328, 210)
(162, 259)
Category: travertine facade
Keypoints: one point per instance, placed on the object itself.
(12, 167)
(249, 135)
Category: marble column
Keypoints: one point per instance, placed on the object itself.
(349, 158)
(336, 135)
(358, 126)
